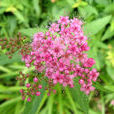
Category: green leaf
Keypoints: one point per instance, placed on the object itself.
(80, 97)
(12, 22)
(109, 87)
(87, 11)
(95, 26)
(19, 15)
(50, 104)
(101, 88)
(70, 2)
(108, 34)
(7, 96)
(4, 89)
(32, 107)
(109, 8)
(5, 60)
(60, 100)
(31, 31)
(58, 10)
(109, 97)
(37, 7)
(93, 112)
(18, 107)
(8, 106)
(102, 2)
(42, 102)
(2, 10)
(110, 71)
(72, 103)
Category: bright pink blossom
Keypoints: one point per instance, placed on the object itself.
(35, 79)
(40, 86)
(28, 85)
(38, 93)
(28, 99)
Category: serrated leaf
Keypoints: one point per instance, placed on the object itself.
(95, 26)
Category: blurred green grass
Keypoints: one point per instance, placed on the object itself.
(30, 16)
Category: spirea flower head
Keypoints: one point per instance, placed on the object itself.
(60, 54)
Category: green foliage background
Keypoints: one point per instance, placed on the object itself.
(30, 16)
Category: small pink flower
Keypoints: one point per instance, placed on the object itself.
(28, 85)
(64, 84)
(54, 28)
(40, 86)
(35, 79)
(54, 91)
(28, 99)
(81, 81)
(112, 103)
(48, 94)
(71, 85)
(38, 93)
(23, 98)
(89, 62)
(32, 93)
(64, 20)
(28, 65)
(21, 90)
(92, 88)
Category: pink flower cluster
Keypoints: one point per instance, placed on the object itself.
(61, 54)
(32, 89)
